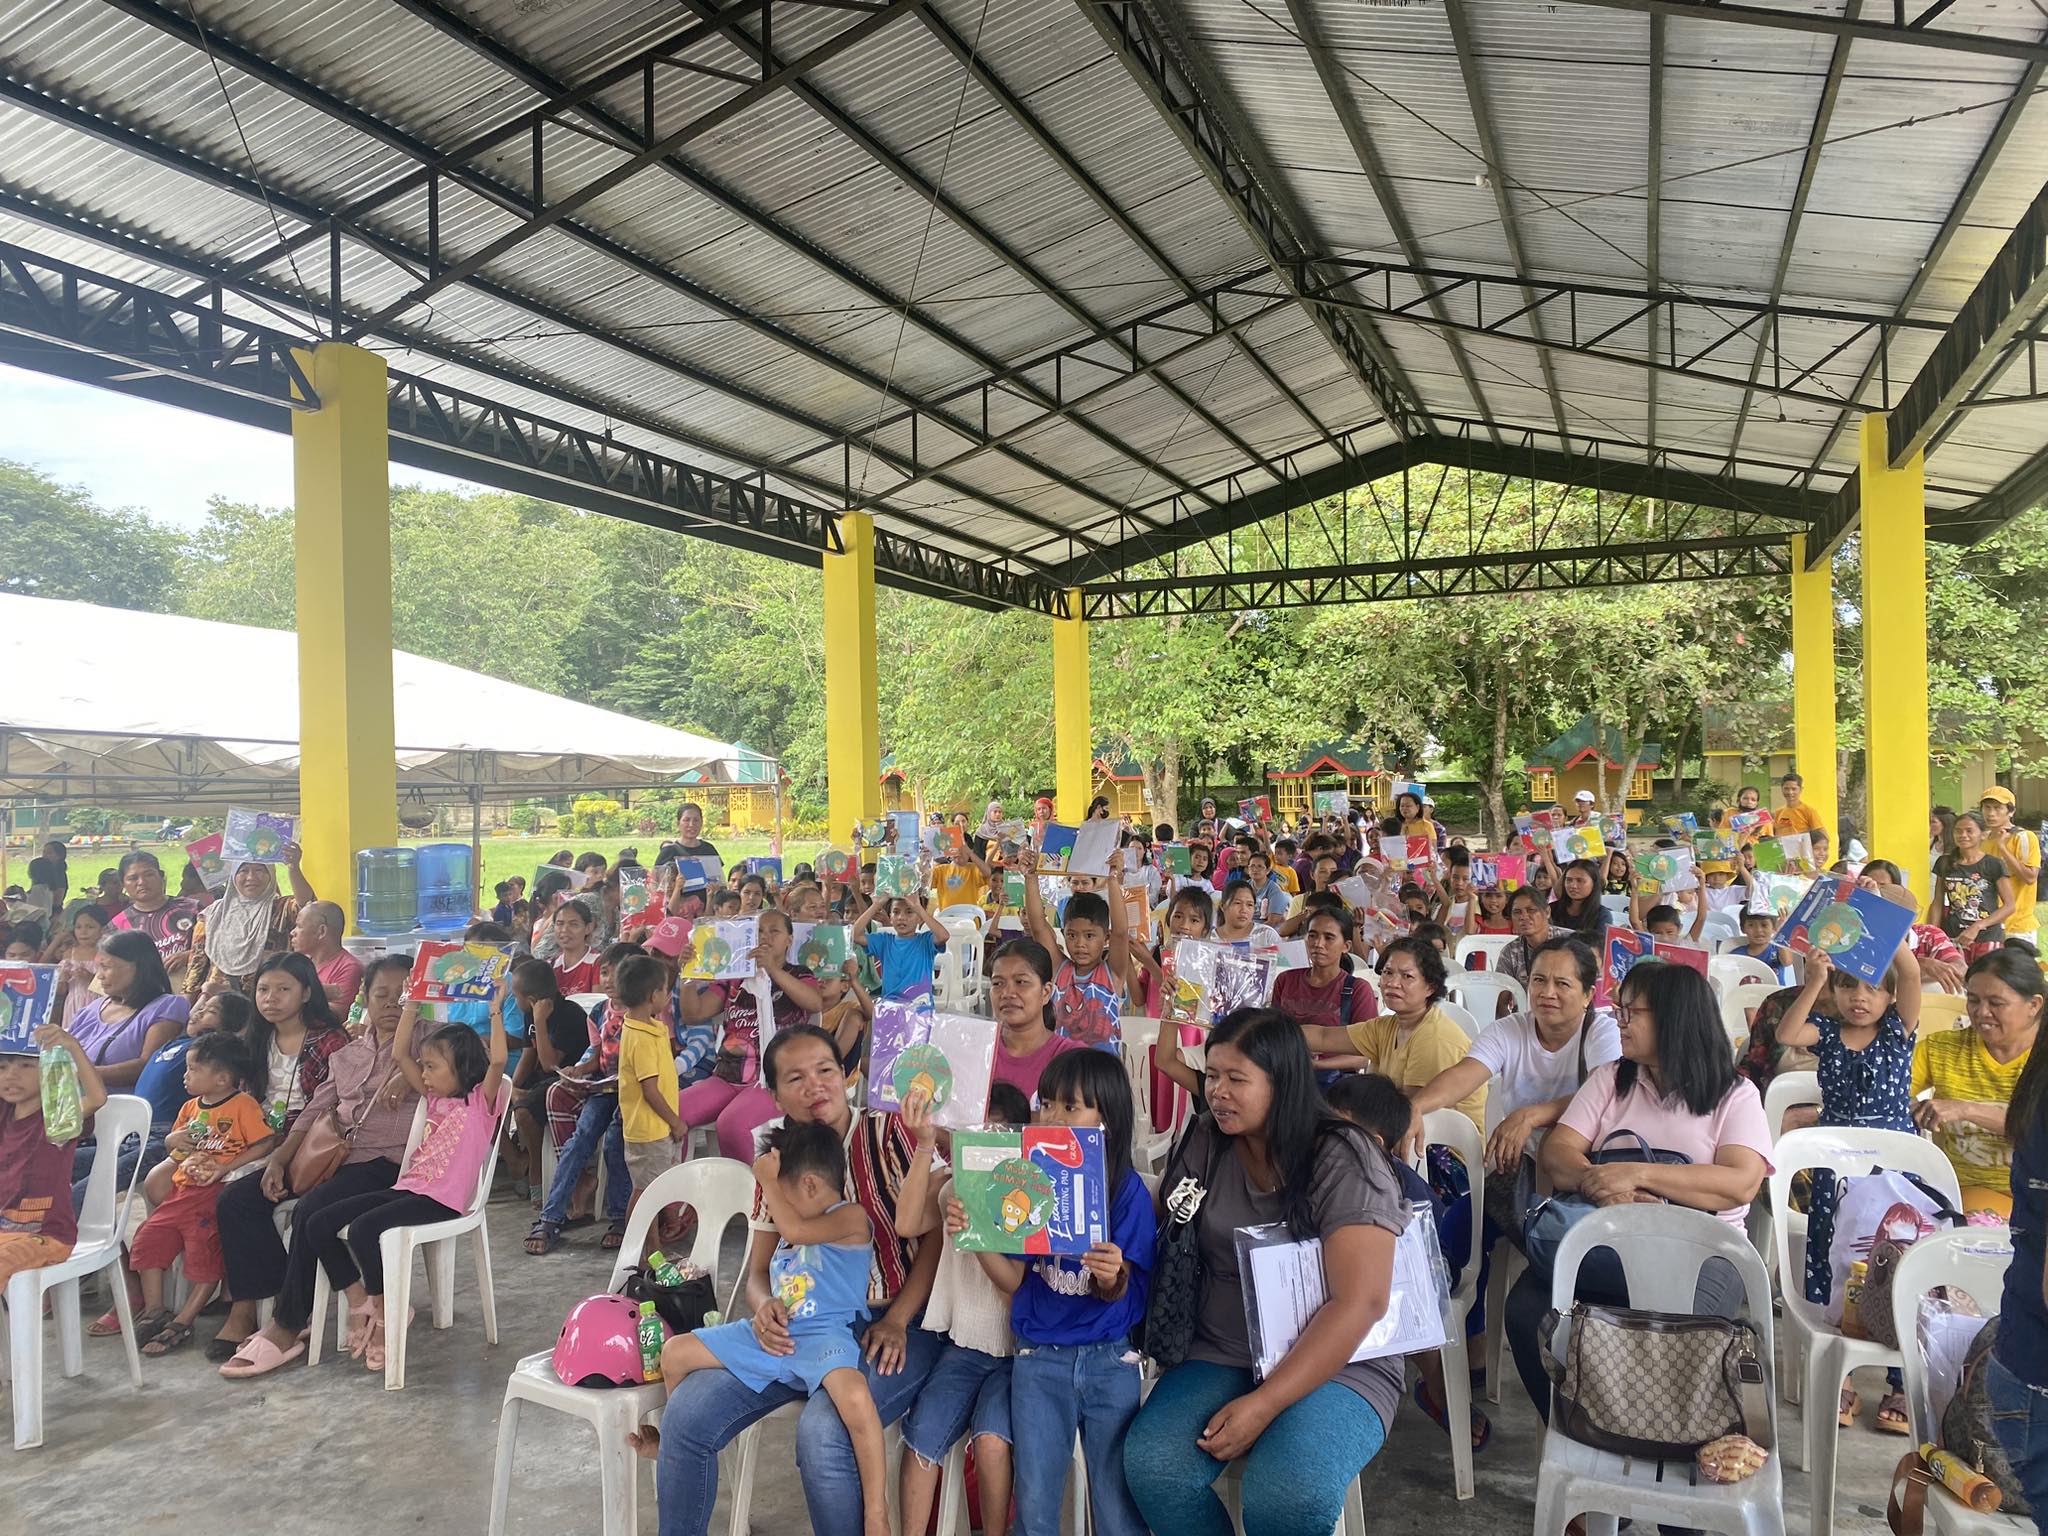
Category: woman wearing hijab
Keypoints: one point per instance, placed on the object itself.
(990, 830)
(250, 920)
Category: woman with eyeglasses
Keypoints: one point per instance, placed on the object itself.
(1676, 1089)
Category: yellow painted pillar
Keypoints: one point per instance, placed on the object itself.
(348, 774)
(853, 732)
(1894, 540)
(1813, 684)
(1073, 742)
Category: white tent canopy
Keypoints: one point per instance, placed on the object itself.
(146, 711)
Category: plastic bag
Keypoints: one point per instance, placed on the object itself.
(63, 1107)
(1886, 1203)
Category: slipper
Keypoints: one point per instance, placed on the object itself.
(543, 1237)
(1891, 1415)
(259, 1357)
(359, 1330)
(220, 1350)
(173, 1335)
(614, 1236)
(151, 1323)
(1482, 1427)
(1851, 1406)
(108, 1324)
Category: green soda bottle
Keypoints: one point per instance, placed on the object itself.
(196, 1128)
(664, 1268)
(651, 1337)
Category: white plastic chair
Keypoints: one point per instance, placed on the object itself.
(963, 912)
(1943, 1011)
(1717, 926)
(1662, 1249)
(1829, 1355)
(1486, 945)
(1787, 1090)
(100, 1227)
(1480, 992)
(1506, 1268)
(1974, 1258)
(957, 978)
(397, 1246)
(720, 1191)
(953, 1492)
(1733, 971)
(1449, 1128)
(1135, 1035)
(1230, 1487)
(1462, 1017)
(1738, 1002)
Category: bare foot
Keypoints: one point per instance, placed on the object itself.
(646, 1443)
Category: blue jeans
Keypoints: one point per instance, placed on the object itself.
(2020, 1415)
(598, 1121)
(1295, 1475)
(711, 1407)
(967, 1390)
(1054, 1390)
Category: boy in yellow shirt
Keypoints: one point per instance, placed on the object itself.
(2021, 852)
(648, 1087)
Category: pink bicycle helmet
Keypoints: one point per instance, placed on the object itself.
(600, 1344)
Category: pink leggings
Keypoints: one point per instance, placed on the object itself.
(739, 1110)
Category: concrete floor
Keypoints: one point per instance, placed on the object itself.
(328, 1452)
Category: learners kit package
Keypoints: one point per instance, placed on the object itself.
(1859, 930)
(26, 995)
(1055, 848)
(723, 950)
(456, 972)
(895, 875)
(1626, 949)
(206, 858)
(1284, 1288)
(821, 948)
(947, 1057)
(1038, 1189)
(256, 837)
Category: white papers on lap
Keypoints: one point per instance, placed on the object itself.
(1283, 1289)
(1095, 843)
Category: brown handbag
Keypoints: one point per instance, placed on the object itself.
(326, 1145)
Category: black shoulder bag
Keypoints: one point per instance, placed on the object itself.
(1168, 1329)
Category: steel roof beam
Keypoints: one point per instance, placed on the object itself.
(103, 126)
(1337, 89)
(1158, 64)
(1653, 208)
(456, 165)
(2007, 298)
(1497, 178)
(1809, 166)
(1897, 32)
(987, 238)
(2022, 490)
(1485, 574)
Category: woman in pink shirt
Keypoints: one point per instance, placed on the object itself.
(1677, 1090)
(1020, 995)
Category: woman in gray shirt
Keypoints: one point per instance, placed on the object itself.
(1270, 1150)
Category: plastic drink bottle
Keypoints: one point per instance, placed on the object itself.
(651, 1337)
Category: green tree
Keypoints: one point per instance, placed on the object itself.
(55, 542)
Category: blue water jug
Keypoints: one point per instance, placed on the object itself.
(387, 891)
(446, 889)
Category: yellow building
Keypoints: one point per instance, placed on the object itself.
(1581, 758)
(1335, 765)
(738, 796)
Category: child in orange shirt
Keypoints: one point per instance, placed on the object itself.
(220, 1128)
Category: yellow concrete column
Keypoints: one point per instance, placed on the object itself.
(1073, 741)
(348, 775)
(853, 732)
(1894, 540)
(1813, 684)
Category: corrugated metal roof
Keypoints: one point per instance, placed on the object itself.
(111, 115)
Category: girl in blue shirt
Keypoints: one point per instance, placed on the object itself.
(1074, 1367)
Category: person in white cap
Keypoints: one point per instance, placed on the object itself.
(1582, 807)
(2021, 851)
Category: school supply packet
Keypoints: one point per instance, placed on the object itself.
(1284, 1287)
(1037, 1189)
(256, 837)
(1667, 869)
(821, 948)
(26, 995)
(895, 875)
(632, 891)
(1333, 802)
(1627, 948)
(947, 1057)
(206, 858)
(1056, 848)
(454, 972)
(722, 949)
(1859, 930)
(1095, 844)
(1569, 843)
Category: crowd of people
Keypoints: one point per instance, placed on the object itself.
(255, 1037)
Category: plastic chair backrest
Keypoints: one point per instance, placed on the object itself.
(1662, 1249)
(1719, 925)
(490, 1163)
(1488, 945)
(1974, 1258)
(1846, 1150)
(1941, 1011)
(963, 912)
(1479, 993)
(1733, 971)
(122, 1116)
(587, 1000)
(717, 1188)
(1787, 1090)
(1449, 1128)
(1461, 1017)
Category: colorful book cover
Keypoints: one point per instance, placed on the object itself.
(205, 856)
(1013, 890)
(26, 995)
(632, 891)
(1614, 827)
(700, 874)
(1357, 896)
(1683, 824)
(1258, 808)
(1485, 871)
(872, 834)
(834, 864)
(1525, 832)
(895, 875)
(1777, 894)
(1421, 851)
(1747, 823)
(1769, 854)
(903, 833)
(1859, 930)
(821, 948)
(1664, 867)
(456, 972)
(1172, 859)
(1040, 1189)
(1333, 802)
(1626, 949)
(1713, 845)
(1055, 848)
(764, 864)
(1570, 843)
(948, 1057)
(1513, 869)
(722, 950)
(953, 841)
(257, 837)
(1095, 844)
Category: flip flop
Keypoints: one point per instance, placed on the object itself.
(1851, 1406)
(614, 1237)
(1482, 1427)
(220, 1350)
(259, 1357)
(108, 1324)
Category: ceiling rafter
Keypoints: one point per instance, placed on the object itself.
(1159, 63)
(1899, 31)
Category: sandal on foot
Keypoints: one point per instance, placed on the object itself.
(1851, 1406)
(108, 1324)
(151, 1323)
(359, 1330)
(173, 1335)
(373, 1344)
(1482, 1427)
(542, 1237)
(259, 1357)
(1891, 1415)
(220, 1350)
(614, 1236)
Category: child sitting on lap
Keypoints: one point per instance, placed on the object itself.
(819, 1276)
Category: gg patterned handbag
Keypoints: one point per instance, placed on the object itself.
(1655, 1383)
